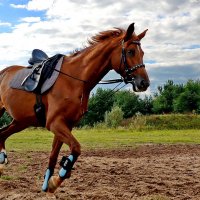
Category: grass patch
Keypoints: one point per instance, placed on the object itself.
(22, 168)
(41, 139)
(109, 138)
(31, 140)
(7, 178)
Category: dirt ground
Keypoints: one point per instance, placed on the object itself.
(153, 172)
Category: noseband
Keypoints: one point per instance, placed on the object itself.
(129, 70)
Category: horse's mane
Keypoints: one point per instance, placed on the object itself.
(105, 35)
(100, 37)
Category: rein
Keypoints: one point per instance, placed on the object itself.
(75, 78)
(111, 81)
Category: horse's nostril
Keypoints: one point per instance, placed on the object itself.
(145, 83)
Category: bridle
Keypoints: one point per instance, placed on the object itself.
(129, 70)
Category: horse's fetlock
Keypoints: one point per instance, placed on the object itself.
(76, 149)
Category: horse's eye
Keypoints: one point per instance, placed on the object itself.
(131, 52)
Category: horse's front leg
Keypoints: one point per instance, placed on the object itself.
(56, 146)
(63, 133)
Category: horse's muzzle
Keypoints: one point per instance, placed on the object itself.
(140, 84)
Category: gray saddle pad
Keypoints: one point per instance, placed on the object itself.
(18, 79)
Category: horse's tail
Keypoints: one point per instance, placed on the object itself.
(2, 72)
(1, 78)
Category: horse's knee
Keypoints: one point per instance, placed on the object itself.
(63, 133)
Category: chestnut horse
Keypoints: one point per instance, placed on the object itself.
(66, 102)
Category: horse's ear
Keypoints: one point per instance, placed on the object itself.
(129, 32)
(141, 35)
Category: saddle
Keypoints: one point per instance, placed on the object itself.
(42, 68)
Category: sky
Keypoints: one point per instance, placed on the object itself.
(171, 45)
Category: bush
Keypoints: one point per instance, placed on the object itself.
(114, 117)
(163, 122)
(138, 122)
(173, 121)
(100, 125)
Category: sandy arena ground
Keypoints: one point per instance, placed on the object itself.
(153, 172)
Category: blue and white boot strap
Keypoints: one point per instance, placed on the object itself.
(64, 170)
(47, 176)
(3, 158)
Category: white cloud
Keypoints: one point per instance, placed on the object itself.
(18, 6)
(40, 4)
(30, 19)
(36, 5)
(4, 23)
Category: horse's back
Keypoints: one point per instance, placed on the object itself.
(18, 103)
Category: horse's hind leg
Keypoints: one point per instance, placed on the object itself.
(5, 132)
(3, 156)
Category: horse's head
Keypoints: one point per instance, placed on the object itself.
(130, 63)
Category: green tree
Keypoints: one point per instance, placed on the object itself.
(189, 99)
(164, 99)
(128, 101)
(146, 105)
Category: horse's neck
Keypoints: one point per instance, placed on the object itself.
(96, 64)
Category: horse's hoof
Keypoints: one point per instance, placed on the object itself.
(50, 196)
(2, 167)
(54, 183)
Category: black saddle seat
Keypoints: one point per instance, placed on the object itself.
(38, 56)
